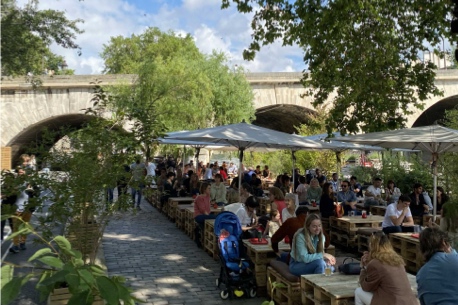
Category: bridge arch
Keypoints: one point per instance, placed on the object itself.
(434, 111)
(282, 117)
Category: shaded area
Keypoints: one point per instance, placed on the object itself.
(436, 112)
(281, 117)
(32, 136)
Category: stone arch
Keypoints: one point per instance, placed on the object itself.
(435, 111)
(32, 135)
(282, 117)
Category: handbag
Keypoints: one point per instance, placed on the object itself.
(350, 267)
(338, 210)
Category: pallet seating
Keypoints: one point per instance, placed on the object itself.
(343, 230)
(363, 236)
(210, 241)
(409, 248)
(279, 272)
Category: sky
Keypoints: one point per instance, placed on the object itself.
(211, 27)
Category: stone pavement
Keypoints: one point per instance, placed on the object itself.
(160, 262)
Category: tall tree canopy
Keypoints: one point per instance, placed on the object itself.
(27, 33)
(362, 55)
(177, 86)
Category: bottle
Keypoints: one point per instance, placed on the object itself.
(259, 236)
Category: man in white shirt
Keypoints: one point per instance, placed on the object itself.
(208, 175)
(151, 170)
(232, 169)
(374, 193)
(335, 183)
(398, 217)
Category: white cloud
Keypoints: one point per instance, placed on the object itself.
(212, 28)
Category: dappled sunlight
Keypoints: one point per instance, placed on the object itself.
(170, 280)
(173, 257)
(130, 237)
(201, 269)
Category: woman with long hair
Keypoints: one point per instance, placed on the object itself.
(327, 201)
(277, 199)
(202, 210)
(383, 277)
(314, 191)
(290, 210)
(307, 253)
(392, 193)
(442, 198)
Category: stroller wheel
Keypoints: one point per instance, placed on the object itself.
(217, 283)
(224, 294)
(253, 292)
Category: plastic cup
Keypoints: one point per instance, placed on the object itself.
(327, 270)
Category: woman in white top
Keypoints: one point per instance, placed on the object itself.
(290, 211)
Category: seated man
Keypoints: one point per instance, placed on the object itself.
(437, 284)
(418, 204)
(398, 217)
(347, 198)
(374, 194)
(355, 186)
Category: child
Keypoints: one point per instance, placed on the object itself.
(274, 224)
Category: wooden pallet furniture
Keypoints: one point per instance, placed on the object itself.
(290, 295)
(343, 230)
(173, 204)
(189, 223)
(210, 240)
(427, 218)
(180, 216)
(364, 236)
(409, 248)
(337, 289)
(378, 210)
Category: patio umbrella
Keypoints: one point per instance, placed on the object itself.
(245, 136)
(434, 139)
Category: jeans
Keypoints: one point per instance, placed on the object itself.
(363, 297)
(398, 229)
(137, 191)
(109, 194)
(300, 268)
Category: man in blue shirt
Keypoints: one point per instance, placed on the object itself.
(347, 198)
(436, 280)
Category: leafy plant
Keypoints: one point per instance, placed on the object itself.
(58, 264)
(273, 285)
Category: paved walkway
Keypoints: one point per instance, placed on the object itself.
(160, 262)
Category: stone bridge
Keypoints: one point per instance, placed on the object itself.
(277, 99)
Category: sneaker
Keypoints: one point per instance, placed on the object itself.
(22, 246)
(14, 249)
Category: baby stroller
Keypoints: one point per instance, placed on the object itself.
(235, 273)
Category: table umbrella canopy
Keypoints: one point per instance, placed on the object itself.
(244, 136)
(434, 139)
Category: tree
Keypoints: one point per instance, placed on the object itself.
(177, 87)
(27, 33)
(362, 55)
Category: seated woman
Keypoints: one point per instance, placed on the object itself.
(202, 211)
(442, 198)
(233, 191)
(327, 201)
(246, 213)
(218, 191)
(277, 199)
(245, 192)
(383, 277)
(307, 253)
(290, 210)
(392, 193)
(314, 191)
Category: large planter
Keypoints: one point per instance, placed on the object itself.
(84, 237)
(60, 296)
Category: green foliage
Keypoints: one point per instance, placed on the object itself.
(177, 87)
(362, 55)
(27, 34)
(448, 162)
(57, 265)
(274, 286)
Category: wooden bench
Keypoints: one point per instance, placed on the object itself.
(279, 272)
(210, 242)
(378, 210)
(409, 248)
(343, 230)
(180, 216)
(173, 204)
(364, 236)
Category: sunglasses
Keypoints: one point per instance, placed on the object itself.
(344, 185)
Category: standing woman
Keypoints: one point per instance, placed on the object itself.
(327, 201)
(383, 277)
(307, 253)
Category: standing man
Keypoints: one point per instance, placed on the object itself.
(151, 171)
(137, 182)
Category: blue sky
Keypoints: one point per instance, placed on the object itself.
(212, 28)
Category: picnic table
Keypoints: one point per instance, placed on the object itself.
(409, 248)
(343, 230)
(336, 289)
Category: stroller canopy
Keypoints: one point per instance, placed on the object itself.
(229, 222)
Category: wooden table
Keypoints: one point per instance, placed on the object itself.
(343, 230)
(426, 219)
(337, 289)
(189, 223)
(378, 210)
(171, 206)
(409, 248)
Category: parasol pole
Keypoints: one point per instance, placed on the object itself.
(241, 150)
(293, 153)
(434, 165)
